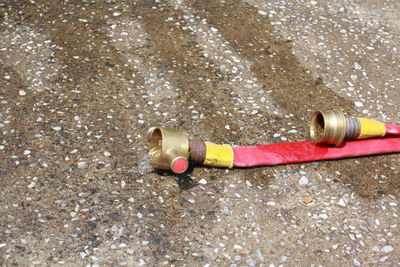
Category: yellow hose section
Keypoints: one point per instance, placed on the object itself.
(218, 155)
(371, 128)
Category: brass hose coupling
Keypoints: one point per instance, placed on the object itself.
(171, 149)
(333, 127)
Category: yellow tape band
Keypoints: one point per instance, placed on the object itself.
(371, 128)
(218, 155)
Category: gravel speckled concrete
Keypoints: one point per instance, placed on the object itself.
(82, 81)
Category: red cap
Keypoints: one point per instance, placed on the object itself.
(180, 165)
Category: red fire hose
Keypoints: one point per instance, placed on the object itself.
(333, 134)
(306, 151)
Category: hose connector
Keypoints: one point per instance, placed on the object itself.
(332, 127)
(169, 149)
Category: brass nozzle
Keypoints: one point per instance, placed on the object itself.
(169, 149)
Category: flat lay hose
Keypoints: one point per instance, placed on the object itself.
(284, 153)
(333, 136)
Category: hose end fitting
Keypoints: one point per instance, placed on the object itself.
(328, 127)
(332, 127)
(169, 149)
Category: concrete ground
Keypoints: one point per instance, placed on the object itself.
(82, 81)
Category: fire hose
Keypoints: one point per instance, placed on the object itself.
(332, 134)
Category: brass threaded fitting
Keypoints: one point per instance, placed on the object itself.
(332, 127)
(328, 127)
(169, 149)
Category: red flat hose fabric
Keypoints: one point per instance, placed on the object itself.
(392, 129)
(283, 153)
